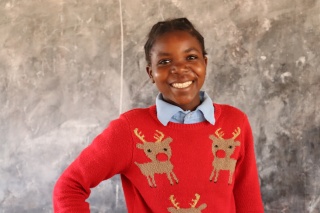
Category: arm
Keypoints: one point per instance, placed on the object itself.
(246, 188)
(110, 153)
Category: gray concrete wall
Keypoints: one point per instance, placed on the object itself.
(62, 79)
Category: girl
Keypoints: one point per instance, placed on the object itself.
(184, 154)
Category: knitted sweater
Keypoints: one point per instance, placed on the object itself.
(178, 168)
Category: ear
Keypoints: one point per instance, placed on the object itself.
(237, 143)
(167, 140)
(212, 137)
(202, 206)
(149, 71)
(205, 60)
(171, 209)
(139, 146)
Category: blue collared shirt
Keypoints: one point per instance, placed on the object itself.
(167, 112)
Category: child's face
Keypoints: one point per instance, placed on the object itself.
(178, 68)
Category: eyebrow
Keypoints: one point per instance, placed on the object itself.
(163, 54)
(191, 49)
(186, 51)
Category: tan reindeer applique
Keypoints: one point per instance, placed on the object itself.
(193, 209)
(228, 146)
(155, 151)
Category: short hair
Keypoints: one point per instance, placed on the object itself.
(162, 27)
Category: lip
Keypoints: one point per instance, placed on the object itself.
(181, 85)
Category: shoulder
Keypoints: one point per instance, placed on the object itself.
(123, 125)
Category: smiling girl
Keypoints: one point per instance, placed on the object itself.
(184, 154)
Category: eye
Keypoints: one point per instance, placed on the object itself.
(164, 62)
(216, 146)
(230, 147)
(192, 57)
(149, 150)
(165, 149)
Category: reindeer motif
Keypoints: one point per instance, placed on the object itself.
(155, 151)
(228, 146)
(193, 209)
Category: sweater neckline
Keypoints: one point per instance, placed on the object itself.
(217, 112)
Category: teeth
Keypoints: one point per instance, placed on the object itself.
(182, 85)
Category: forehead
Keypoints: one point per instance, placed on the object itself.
(175, 41)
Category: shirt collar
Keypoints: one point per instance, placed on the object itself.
(206, 107)
(165, 110)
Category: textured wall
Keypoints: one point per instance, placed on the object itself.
(68, 67)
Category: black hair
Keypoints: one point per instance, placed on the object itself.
(162, 27)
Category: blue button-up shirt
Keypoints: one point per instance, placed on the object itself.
(167, 112)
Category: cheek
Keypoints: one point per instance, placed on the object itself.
(160, 75)
(202, 72)
(199, 67)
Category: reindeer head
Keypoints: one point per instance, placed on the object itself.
(193, 209)
(227, 145)
(154, 149)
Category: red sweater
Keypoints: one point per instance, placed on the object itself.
(178, 168)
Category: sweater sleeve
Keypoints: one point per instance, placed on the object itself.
(110, 153)
(247, 189)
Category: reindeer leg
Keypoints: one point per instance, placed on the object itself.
(153, 181)
(169, 177)
(175, 177)
(216, 177)
(230, 177)
(149, 181)
(212, 174)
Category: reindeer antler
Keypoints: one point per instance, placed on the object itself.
(139, 135)
(173, 201)
(195, 201)
(236, 133)
(219, 134)
(158, 137)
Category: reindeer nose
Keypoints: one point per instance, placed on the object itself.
(221, 153)
(162, 157)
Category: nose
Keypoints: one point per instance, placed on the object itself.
(179, 67)
(221, 153)
(162, 157)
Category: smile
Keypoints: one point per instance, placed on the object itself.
(182, 85)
